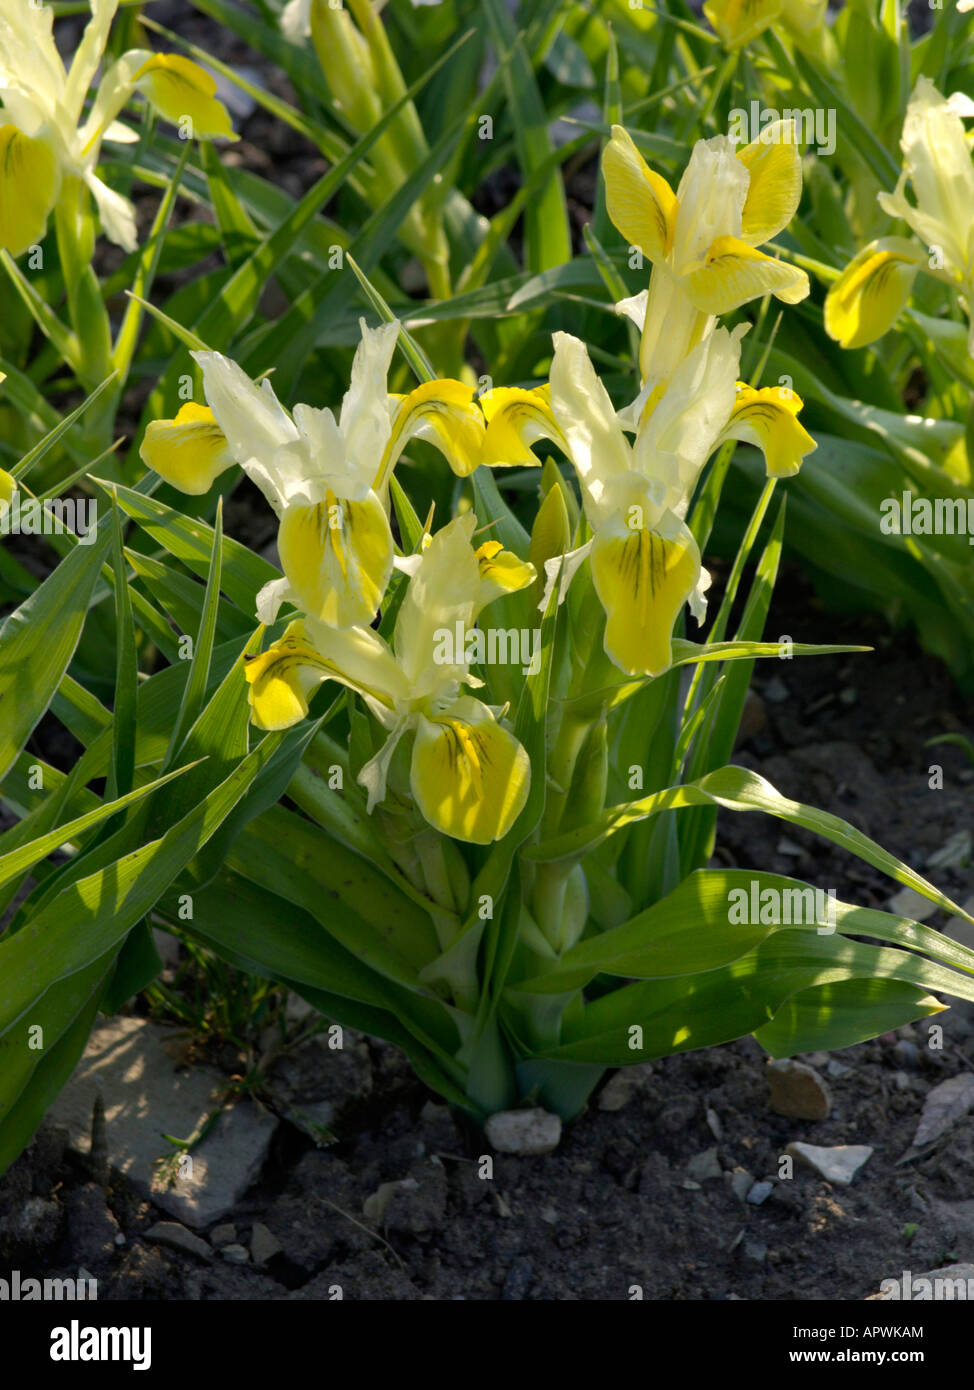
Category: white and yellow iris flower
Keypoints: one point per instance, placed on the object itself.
(468, 775)
(43, 140)
(644, 560)
(702, 240)
(327, 479)
(873, 289)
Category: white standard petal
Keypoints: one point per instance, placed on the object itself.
(366, 418)
(259, 430)
(634, 308)
(566, 566)
(274, 593)
(682, 428)
(374, 774)
(596, 444)
(117, 213)
(88, 56)
(711, 195)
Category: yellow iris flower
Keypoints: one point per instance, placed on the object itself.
(870, 293)
(43, 140)
(739, 21)
(644, 560)
(326, 478)
(468, 775)
(702, 240)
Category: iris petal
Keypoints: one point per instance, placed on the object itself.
(470, 777)
(337, 556)
(29, 184)
(643, 578)
(190, 452)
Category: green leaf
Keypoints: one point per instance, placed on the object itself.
(38, 640)
(191, 540)
(547, 235)
(194, 690)
(739, 789)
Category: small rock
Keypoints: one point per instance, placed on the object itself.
(755, 1252)
(789, 848)
(901, 1081)
(740, 1183)
(798, 1091)
(760, 1193)
(848, 695)
(954, 853)
(944, 1105)
(415, 1204)
(837, 1069)
(908, 903)
(178, 1238)
(264, 1245)
(704, 1166)
(959, 928)
(523, 1132)
(149, 1093)
(776, 692)
(907, 1054)
(619, 1090)
(714, 1125)
(235, 1254)
(223, 1235)
(839, 1164)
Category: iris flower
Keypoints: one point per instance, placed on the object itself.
(874, 287)
(739, 21)
(327, 479)
(45, 141)
(702, 240)
(468, 775)
(645, 563)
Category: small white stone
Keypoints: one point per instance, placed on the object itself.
(839, 1164)
(908, 903)
(264, 1244)
(177, 1237)
(704, 1166)
(235, 1254)
(523, 1131)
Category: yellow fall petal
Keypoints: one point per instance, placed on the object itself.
(871, 292)
(768, 419)
(190, 452)
(640, 203)
(739, 21)
(732, 273)
(469, 777)
(337, 556)
(445, 414)
(501, 572)
(30, 179)
(282, 680)
(181, 90)
(775, 187)
(516, 418)
(643, 578)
